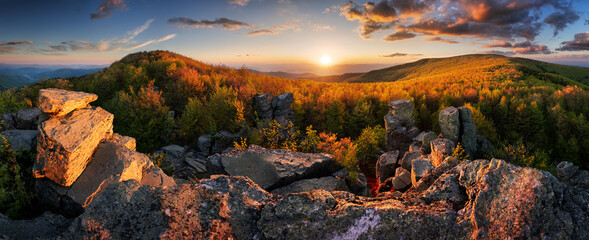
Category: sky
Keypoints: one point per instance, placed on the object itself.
(291, 35)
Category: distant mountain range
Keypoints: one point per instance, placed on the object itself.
(12, 76)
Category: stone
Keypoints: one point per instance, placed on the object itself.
(441, 148)
(402, 180)
(283, 101)
(174, 151)
(415, 147)
(283, 114)
(469, 138)
(580, 179)
(419, 169)
(263, 106)
(204, 144)
(27, 119)
(408, 158)
(328, 183)
(391, 123)
(197, 164)
(223, 140)
(357, 185)
(450, 123)
(484, 146)
(465, 115)
(46, 226)
(275, 168)
(412, 132)
(565, 170)
(427, 139)
(58, 102)
(21, 140)
(402, 109)
(155, 177)
(7, 121)
(126, 141)
(386, 164)
(66, 144)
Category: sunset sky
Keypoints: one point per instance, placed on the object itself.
(292, 35)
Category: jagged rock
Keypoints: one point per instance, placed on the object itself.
(283, 114)
(441, 148)
(469, 138)
(402, 109)
(205, 142)
(126, 141)
(580, 179)
(465, 115)
(426, 182)
(328, 183)
(112, 162)
(391, 123)
(263, 106)
(46, 226)
(217, 208)
(357, 185)
(155, 177)
(419, 169)
(174, 150)
(197, 164)
(66, 144)
(223, 140)
(7, 121)
(402, 179)
(415, 147)
(385, 167)
(484, 146)
(412, 132)
(565, 170)
(450, 123)
(21, 140)
(408, 159)
(273, 168)
(27, 119)
(58, 102)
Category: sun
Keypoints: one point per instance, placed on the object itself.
(325, 60)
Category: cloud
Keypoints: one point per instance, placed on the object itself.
(400, 55)
(579, 43)
(165, 38)
(320, 28)
(261, 32)
(105, 9)
(504, 53)
(525, 47)
(238, 2)
(399, 36)
(13, 46)
(223, 23)
(439, 39)
(487, 19)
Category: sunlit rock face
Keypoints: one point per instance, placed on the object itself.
(58, 102)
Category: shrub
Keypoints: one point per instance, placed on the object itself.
(162, 161)
(343, 150)
(459, 153)
(370, 142)
(309, 144)
(16, 182)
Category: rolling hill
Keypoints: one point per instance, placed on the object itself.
(19, 76)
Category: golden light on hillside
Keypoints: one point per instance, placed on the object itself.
(325, 61)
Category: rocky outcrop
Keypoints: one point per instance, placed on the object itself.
(449, 119)
(386, 165)
(46, 226)
(441, 148)
(328, 183)
(456, 125)
(58, 102)
(21, 140)
(66, 144)
(272, 168)
(399, 125)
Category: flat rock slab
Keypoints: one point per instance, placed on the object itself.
(20, 139)
(59, 102)
(325, 183)
(66, 144)
(274, 168)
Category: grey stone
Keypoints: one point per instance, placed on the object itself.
(450, 123)
(21, 140)
(408, 159)
(223, 140)
(46, 226)
(469, 138)
(174, 150)
(204, 144)
(566, 170)
(26, 119)
(402, 109)
(391, 123)
(412, 132)
(415, 147)
(7, 121)
(441, 148)
(419, 169)
(465, 115)
(263, 106)
(402, 179)
(386, 164)
(325, 183)
(198, 164)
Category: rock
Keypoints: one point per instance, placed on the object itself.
(325, 183)
(174, 151)
(465, 115)
(441, 148)
(66, 144)
(275, 168)
(283, 101)
(469, 138)
(217, 208)
(46, 226)
(402, 180)
(415, 147)
(155, 177)
(484, 146)
(27, 119)
(205, 142)
(283, 114)
(21, 140)
(419, 169)
(223, 140)
(386, 164)
(126, 141)
(427, 139)
(402, 109)
(58, 102)
(408, 159)
(7, 121)
(391, 123)
(450, 123)
(357, 185)
(198, 164)
(412, 132)
(263, 106)
(426, 182)
(580, 179)
(565, 170)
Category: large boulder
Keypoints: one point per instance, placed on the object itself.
(204, 144)
(263, 106)
(441, 148)
(21, 139)
(46, 226)
(328, 183)
(283, 114)
(155, 177)
(386, 165)
(402, 179)
(58, 102)
(402, 109)
(408, 158)
(27, 119)
(66, 144)
(223, 140)
(274, 168)
(469, 138)
(450, 123)
(420, 168)
(126, 141)
(7, 121)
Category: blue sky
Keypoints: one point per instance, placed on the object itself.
(292, 35)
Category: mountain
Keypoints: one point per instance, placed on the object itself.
(285, 74)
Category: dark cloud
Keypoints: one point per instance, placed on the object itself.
(223, 23)
(579, 43)
(58, 48)
(261, 32)
(439, 39)
(525, 47)
(399, 36)
(105, 9)
(400, 55)
(477, 18)
(13, 46)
